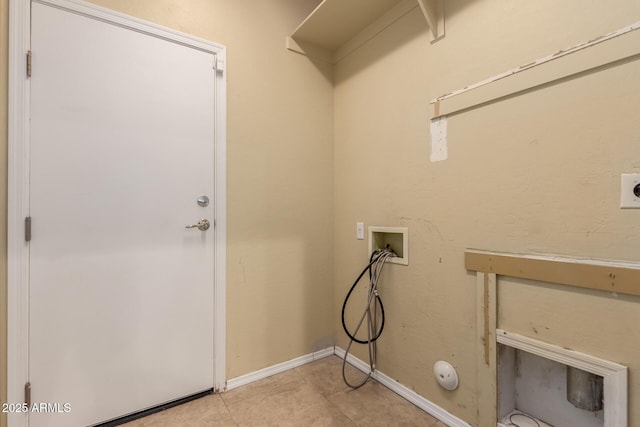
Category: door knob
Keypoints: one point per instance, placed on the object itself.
(202, 225)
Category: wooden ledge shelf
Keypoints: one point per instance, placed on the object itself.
(608, 276)
(338, 27)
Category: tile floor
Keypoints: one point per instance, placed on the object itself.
(310, 395)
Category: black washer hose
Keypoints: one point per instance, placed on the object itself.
(372, 260)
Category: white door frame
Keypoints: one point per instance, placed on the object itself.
(18, 185)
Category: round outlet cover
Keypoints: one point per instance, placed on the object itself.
(445, 374)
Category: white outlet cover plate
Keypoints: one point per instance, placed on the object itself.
(627, 198)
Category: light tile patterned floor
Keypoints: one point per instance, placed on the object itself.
(310, 395)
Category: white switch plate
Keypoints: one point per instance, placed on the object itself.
(360, 230)
(629, 199)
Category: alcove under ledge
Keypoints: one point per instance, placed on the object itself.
(587, 278)
(532, 380)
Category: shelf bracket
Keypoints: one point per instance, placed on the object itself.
(433, 11)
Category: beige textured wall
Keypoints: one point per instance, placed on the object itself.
(4, 46)
(535, 173)
(279, 178)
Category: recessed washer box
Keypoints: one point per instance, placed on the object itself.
(396, 237)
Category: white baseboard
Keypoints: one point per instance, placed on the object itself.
(278, 368)
(401, 390)
(405, 392)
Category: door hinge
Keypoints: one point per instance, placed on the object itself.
(27, 229)
(27, 394)
(29, 64)
(218, 65)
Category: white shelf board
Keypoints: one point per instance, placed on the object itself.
(338, 27)
(335, 22)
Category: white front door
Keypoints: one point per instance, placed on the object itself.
(122, 147)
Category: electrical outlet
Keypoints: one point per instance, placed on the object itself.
(360, 230)
(630, 190)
